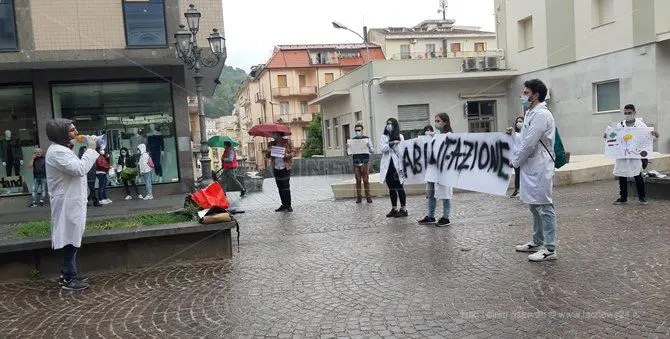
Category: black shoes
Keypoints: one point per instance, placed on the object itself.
(401, 214)
(358, 200)
(443, 222)
(515, 194)
(369, 200)
(283, 208)
(392, 213)
(426, 221)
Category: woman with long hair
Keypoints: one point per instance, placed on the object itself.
(390, 168)
(434, 190)
(516, 137)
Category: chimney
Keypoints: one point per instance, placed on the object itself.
(365, 34)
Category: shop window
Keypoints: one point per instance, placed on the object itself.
(145, 22)
(18, 125)
(8, 39)
(130, 114)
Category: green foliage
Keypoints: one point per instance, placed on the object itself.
(314, 143)
(221, 103)
(42, 228)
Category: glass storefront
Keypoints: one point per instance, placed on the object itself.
(129, 114)
(18, 125)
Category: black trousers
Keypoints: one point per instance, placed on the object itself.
(517, 178)
(396, 189)
(91, 192)
(283, 180)
(69, 265)
(639, 183)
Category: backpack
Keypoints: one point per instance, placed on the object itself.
(150, 162)
(562, 157)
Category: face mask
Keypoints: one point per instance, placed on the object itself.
(389, 128)
(427, 133)
(525, 102)
(519, 125)
(438, 126)
(630, 117)
(102, 151)
(358, 134)
(123, 153)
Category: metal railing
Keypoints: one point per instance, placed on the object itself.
(437, 55)
(294, 91)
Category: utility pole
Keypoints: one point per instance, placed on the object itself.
(443, 9)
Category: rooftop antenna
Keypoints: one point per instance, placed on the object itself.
(443, 9)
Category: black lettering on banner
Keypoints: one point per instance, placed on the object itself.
(406, 161)
(474, 159)
(455, 154)
(484, 148)
(503, 160)
(493, 163)
(466, 155)
(416, 168)
(425, 155)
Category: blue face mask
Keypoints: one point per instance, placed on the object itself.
(358, 134)
(525, 102)
(438, 127)
(389, 128)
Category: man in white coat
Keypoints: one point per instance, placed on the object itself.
(535, 158)
(66, 182)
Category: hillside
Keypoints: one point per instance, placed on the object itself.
(222, 101)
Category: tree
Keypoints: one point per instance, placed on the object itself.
(314, 143)
(223, 100)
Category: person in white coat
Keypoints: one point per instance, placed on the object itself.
(390, 168)
(434, 190)
(630, 168)
(145, 165)
(66, 182)
(535, 158)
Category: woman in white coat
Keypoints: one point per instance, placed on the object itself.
(390, 168)
(66, 182)
(434, 190)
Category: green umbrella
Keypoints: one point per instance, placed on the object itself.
(218, 140)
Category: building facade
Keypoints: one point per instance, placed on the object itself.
(433, 39)
(109, 66)
(280, 90)
(595, 57)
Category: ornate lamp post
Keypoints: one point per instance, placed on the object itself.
(189, 52)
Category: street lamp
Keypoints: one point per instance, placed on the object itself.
(365, 41)
(189, 52)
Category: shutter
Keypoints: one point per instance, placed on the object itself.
(413, 117)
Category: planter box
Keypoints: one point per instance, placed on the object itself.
(120, 249)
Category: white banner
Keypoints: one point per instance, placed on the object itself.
(628, 142)
(471, 161)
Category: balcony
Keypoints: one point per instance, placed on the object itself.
(284, 92)
(245, 102)
(260, 97)
(294, 118)
(437, 55)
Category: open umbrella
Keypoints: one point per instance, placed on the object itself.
(218, 140)
(266, 130)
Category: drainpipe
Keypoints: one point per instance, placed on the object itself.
(370, 108)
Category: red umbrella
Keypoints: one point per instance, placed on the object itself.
(266, 130)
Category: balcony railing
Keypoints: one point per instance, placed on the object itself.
(308, 91)
(293, 118)
(260, 97)
(438, 55)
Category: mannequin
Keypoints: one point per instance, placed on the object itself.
(135, 139)
(156, 147)
(11, 154)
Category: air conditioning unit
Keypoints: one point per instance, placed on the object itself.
(469, 64)
(490, 63)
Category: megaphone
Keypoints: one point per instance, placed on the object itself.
(101, 141)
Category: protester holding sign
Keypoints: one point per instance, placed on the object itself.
(537, 168)
(281, 168)
(626, 168)
(391, 168)
(361, 163)
(434, 190)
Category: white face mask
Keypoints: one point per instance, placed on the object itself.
(519, 125)
(389, 127)
(630, 117)
(102, 151)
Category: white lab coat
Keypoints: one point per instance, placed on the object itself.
(389, 152)
(66, 182)
(629, 167)
(516, 143)
(537, 167)
(441, 191)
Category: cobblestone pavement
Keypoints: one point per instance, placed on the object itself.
(338, 269)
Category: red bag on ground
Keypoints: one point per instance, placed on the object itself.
(211, 196)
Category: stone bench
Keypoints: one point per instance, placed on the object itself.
(121, 249)
(655, 188)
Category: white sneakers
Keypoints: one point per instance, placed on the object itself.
(128, 197)
(540, 253)
(105, 201)
(148, 197)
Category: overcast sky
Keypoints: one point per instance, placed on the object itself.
(254, 27)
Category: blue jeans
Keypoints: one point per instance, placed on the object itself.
(147, 182)
(102, 186)
(39, 187)
(432, 202)
(544, 225)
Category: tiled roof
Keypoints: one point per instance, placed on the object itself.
(322, 46)
(289, 59)
(293, 57)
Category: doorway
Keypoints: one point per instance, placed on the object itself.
(481, 116)
(346, 135)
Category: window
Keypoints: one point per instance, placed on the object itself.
(329, 77)
(302, 82)
(430, 50)
(282, 81)
(336, 132)
(18, 122)
(129, 113)
(412, 119)
(8, 39)
(283, 107)
(479, 47)
(357, 117)
(456, 47)
(145, 22)
(602, 12)
(404, 52)
(607, 96)
(327, 124)
(526, 33)
(303, 107)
